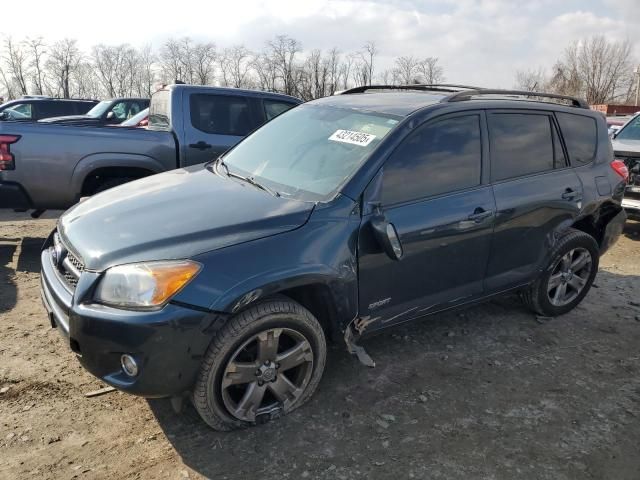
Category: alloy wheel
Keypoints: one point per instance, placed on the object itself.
(268, 372)
(569, 276)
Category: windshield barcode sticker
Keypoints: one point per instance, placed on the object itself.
(355, 138)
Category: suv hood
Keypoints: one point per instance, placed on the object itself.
(174, 215)
(628, 146)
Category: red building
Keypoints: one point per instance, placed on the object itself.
(611, 109)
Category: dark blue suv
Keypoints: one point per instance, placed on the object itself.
(338, 218)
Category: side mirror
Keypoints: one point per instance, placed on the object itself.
(635, 169)
(3, 115)
(111, 116)
(386, 236)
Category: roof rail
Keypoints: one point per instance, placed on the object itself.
(469, 94)
(443, 87)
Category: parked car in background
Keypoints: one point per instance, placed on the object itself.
(339, 218)
(626, 147)
(139, 120)
(36, 108)
(615, 123)
(107, 112)
(52, 165)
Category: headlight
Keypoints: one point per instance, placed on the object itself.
(146, 285)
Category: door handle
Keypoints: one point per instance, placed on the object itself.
(570, 194)
(200, 145)
(480, 214)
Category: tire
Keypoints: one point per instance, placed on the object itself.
(228, 397)
(545, 296)
(111, 183)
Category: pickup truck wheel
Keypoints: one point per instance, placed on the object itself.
(265, 362)
(568, 277)
(111, 183)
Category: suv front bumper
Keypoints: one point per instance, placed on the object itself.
(167, 344)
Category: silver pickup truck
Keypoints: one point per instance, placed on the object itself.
(48, 166)
(626, 147)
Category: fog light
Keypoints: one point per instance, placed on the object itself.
(129, 365)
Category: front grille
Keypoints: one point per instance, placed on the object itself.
(68, 266)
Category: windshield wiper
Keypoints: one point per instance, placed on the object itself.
(249, 180)
(221, 162)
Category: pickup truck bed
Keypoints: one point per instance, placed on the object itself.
(63, 163)
(51, 166)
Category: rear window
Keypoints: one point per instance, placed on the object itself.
(159, 110)
(580, 136)
(273, 108)
(221, 114)
(521, 144)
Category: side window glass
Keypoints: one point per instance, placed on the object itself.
(22, 111)
(439, 157)
(120, 110)
(580, 136)
(273, 108)
(221, 114)
(520, 143)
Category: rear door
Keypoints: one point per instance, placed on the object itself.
(214, 122)
(436, 194)
(535, 192)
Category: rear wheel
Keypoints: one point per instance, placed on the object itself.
(111, 183)
(568, 277)
(265, 362)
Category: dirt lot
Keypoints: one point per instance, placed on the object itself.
(491, 392)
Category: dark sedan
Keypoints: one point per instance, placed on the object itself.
(107, 112)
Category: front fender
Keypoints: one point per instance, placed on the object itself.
(320, 253)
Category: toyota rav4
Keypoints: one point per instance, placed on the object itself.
(344, 216)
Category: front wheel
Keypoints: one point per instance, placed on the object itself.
(265, 362)
(568, 277)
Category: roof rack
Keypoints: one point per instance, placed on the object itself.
(442, 87)
(469, 94)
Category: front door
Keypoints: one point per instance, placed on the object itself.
(433, 192)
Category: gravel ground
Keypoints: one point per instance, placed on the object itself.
(490, 392)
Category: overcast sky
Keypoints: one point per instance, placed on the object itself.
(479, 42)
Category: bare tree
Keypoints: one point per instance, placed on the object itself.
(145, 75)
(171, 64)
(36, 47)
(109, 65)
(429, 71)
(368, 57)
(17, 64)
(345, 71)
(406, 70)
(283, 50)
(62, 63)
(531, 80)
(7, 84)
(594, 68)
(266, 72)
(204, 57)
(235, 67)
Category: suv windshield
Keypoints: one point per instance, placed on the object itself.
(631, 131)
(99, 109)
(310, 151)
